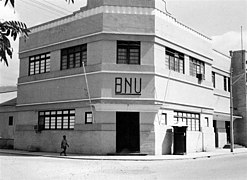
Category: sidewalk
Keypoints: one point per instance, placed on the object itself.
(197, 155)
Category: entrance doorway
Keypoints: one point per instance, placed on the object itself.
(128, 132)
(227, 125)
(216, 133)
(179, 147)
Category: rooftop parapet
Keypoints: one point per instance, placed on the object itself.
(130, 3)
(141, 7)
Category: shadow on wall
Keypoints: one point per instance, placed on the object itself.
(6, 143)
(167, 143)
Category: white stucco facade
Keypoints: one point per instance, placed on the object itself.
(157, 95)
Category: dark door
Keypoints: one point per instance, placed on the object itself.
(128, 132)
(227, 125)
(179, 140)
(216, 133)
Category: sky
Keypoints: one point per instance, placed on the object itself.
(219, 19)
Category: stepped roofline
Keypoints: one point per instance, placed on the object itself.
(142, 7)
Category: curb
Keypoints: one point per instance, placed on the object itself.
(125, 158)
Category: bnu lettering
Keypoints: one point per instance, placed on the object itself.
(128, 86)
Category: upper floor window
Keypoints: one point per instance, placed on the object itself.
(39, 64)
(55, 120)
(192, 120)
(128, 52)
(213, 79)
(227, 84)
(163, 119)
(73, 57)
(174, 60)
(197, 67)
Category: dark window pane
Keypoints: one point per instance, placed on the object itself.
(196, 67)
(11, 120)
(174, 60)
(78, 59)
(128, 52)
(73, 57)
(39, 64)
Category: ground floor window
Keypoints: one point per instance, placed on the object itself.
(57, 119)
(11, 120)
(192, 120)
(88, 118)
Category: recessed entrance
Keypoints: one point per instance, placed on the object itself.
(128, 132)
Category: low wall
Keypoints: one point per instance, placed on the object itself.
(194, 141)
(84, 142)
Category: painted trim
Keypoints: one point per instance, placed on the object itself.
(60, 42)
(83, 100)
(184, 81)
(116, 10)
(228, 57)
(221, 70)
(117, 72)
(222, 95)
(83, 74)
(186, 49)
(116, 33)
(54, 102)
(166, 105)
(86, 36)
(128, 107)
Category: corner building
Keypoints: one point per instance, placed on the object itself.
(116, 76)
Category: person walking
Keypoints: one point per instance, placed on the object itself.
(64, 145)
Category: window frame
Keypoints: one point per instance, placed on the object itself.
(70, 58)
(225, 83)
(193, 120)
(54, 117)
(128, 46)
(213, 79)
(197, 67)
(164, 118)
(35, 62)
(174, 60)
(86, 118)
(207, 121)
(229, 84)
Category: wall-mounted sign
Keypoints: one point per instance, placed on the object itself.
(128, 86)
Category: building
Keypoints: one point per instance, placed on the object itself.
(8, 115)
(121, 76)
(239, 96)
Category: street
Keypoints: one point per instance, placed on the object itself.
(37, 167)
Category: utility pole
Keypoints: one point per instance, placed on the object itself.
(231, 112)
(88, 91)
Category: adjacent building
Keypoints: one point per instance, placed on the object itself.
(8, 115)
(120, 77)
(239, 95)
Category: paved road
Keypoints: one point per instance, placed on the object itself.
(35, 167)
